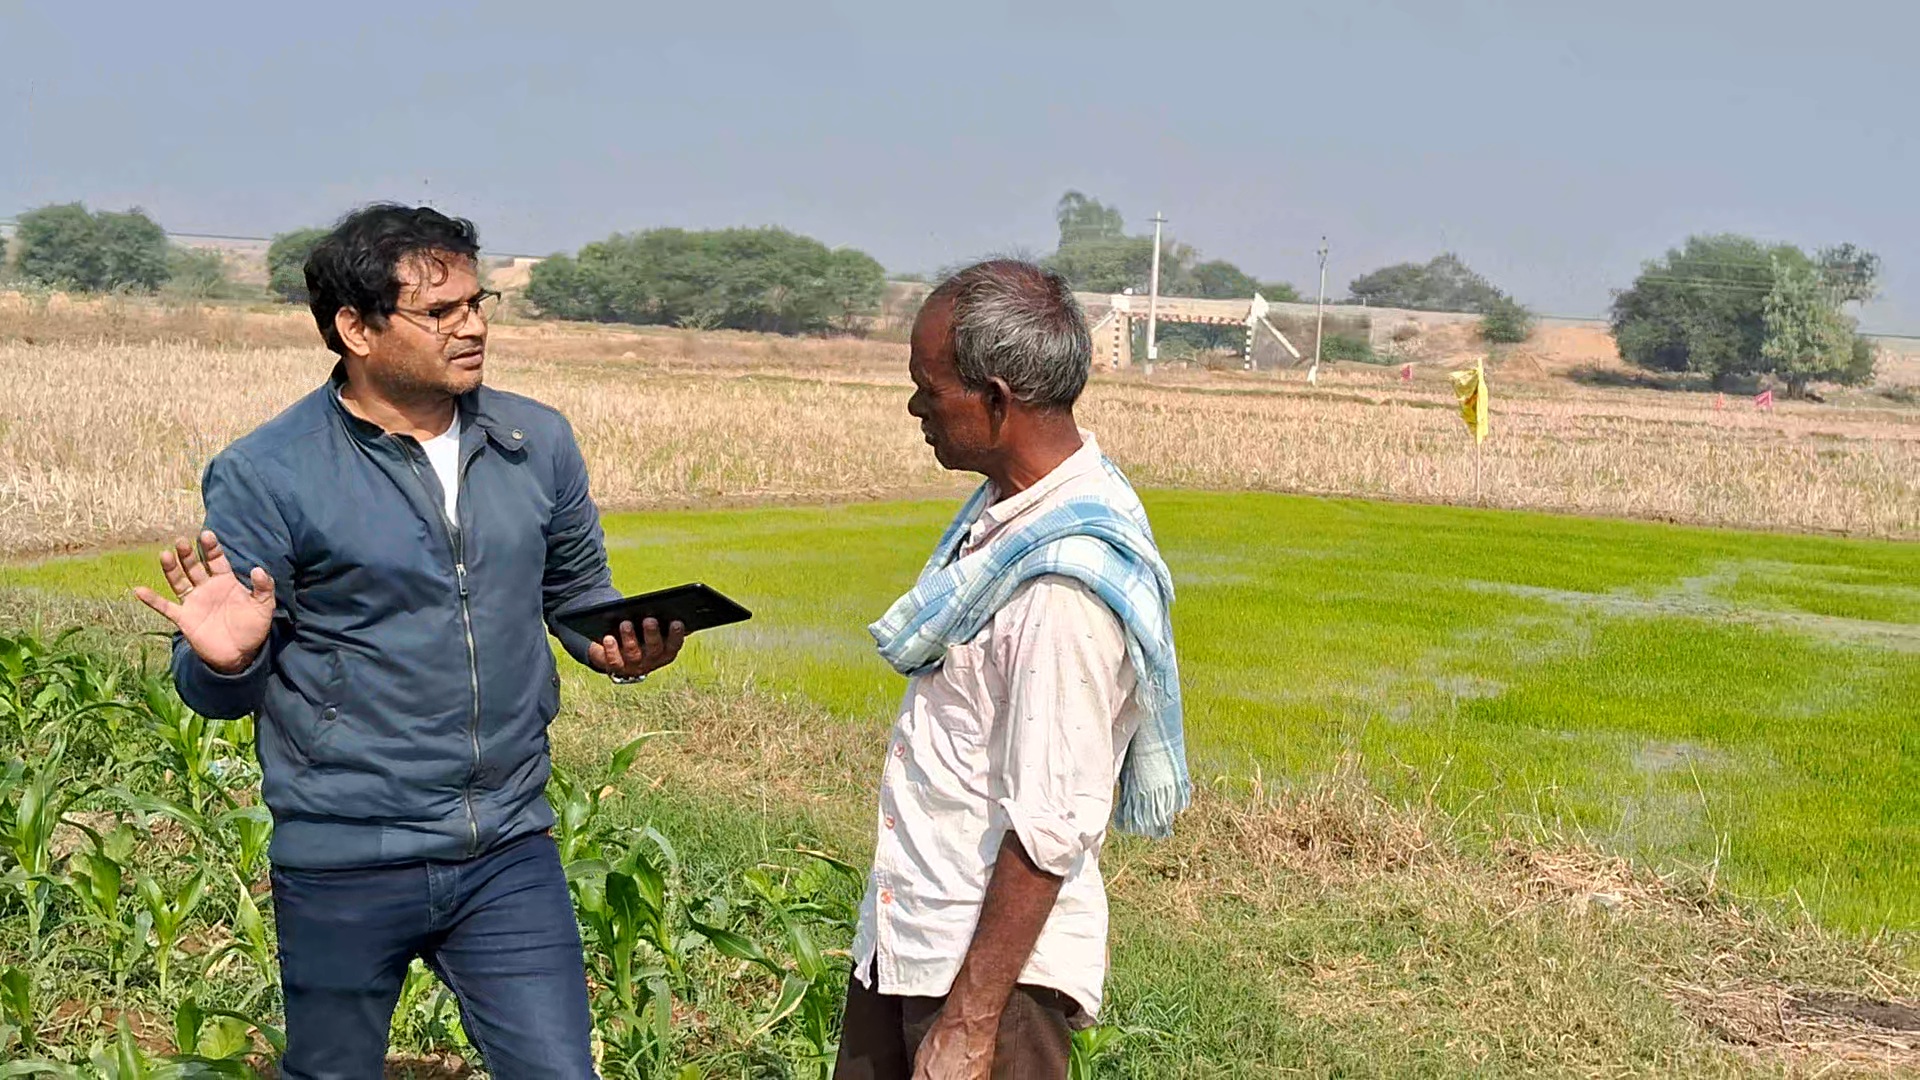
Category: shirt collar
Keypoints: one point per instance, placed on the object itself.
(471, 414)
(1079, 463)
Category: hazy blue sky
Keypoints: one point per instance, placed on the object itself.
(1554, 145)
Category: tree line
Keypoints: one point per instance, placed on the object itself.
(766, 279)
(1725, 307)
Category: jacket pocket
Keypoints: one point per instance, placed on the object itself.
(327, 718)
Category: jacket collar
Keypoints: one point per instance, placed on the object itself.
(474, 407)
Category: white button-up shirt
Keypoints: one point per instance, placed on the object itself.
(1023, 729)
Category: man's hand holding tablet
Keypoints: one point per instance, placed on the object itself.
(635, 635)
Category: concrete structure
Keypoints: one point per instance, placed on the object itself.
(1111, 318)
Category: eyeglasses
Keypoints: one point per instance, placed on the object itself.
(448, 319)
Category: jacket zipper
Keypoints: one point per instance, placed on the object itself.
(457, 543)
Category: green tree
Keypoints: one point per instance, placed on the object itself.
(1444, 283)
(1221, 280)
(1085, 220)
(1280, 292)
(200, 273)
(742, 279)
(287, 263)
(68, 247)
(856, 283)
(1507, 322)
(58, 247)
(1700, 308)
(1726, 306)
(1852, 275)
(134, 251)
(3, 257)
(1107, 266)
(1807, 336)
(559, 290)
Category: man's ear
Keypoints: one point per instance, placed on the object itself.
(999, 401)
(353, 331)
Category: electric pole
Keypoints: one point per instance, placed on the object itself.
(1153, 295)
(1319, 317)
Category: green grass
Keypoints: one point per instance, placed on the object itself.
(1736, 703)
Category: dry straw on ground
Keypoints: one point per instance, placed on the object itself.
(102, 440)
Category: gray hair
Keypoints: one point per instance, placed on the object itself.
(1019, 323)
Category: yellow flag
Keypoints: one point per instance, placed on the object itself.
(1471, 387)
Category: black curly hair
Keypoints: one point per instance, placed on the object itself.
(357, 265)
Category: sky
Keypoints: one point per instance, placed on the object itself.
(1555, 146)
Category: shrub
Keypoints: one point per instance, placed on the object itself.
(200, 273)
(1860, 367)
(1507, 322)
(287, 263)
(1348, 347)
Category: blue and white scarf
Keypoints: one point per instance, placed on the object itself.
(1106, 547)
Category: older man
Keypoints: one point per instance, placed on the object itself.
(1042, 672)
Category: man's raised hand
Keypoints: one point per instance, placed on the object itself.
(224, 621)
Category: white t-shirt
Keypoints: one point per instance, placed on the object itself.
(443, 450)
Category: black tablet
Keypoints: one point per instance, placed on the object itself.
(694, 606)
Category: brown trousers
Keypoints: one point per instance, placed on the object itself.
(882, 1034)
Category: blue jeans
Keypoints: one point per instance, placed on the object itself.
(497, 929)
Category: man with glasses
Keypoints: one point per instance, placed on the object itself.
(379, 571)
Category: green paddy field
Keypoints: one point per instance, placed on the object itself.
(1739, 706)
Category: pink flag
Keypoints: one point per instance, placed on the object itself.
(1406, 373)
(1764, 400)
(1719, 402)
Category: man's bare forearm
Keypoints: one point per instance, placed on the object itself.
(1019, 898)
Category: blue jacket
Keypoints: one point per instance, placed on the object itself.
(405, 690)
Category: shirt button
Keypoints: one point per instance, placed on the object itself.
(886, 896)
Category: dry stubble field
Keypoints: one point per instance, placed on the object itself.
(109, 412)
